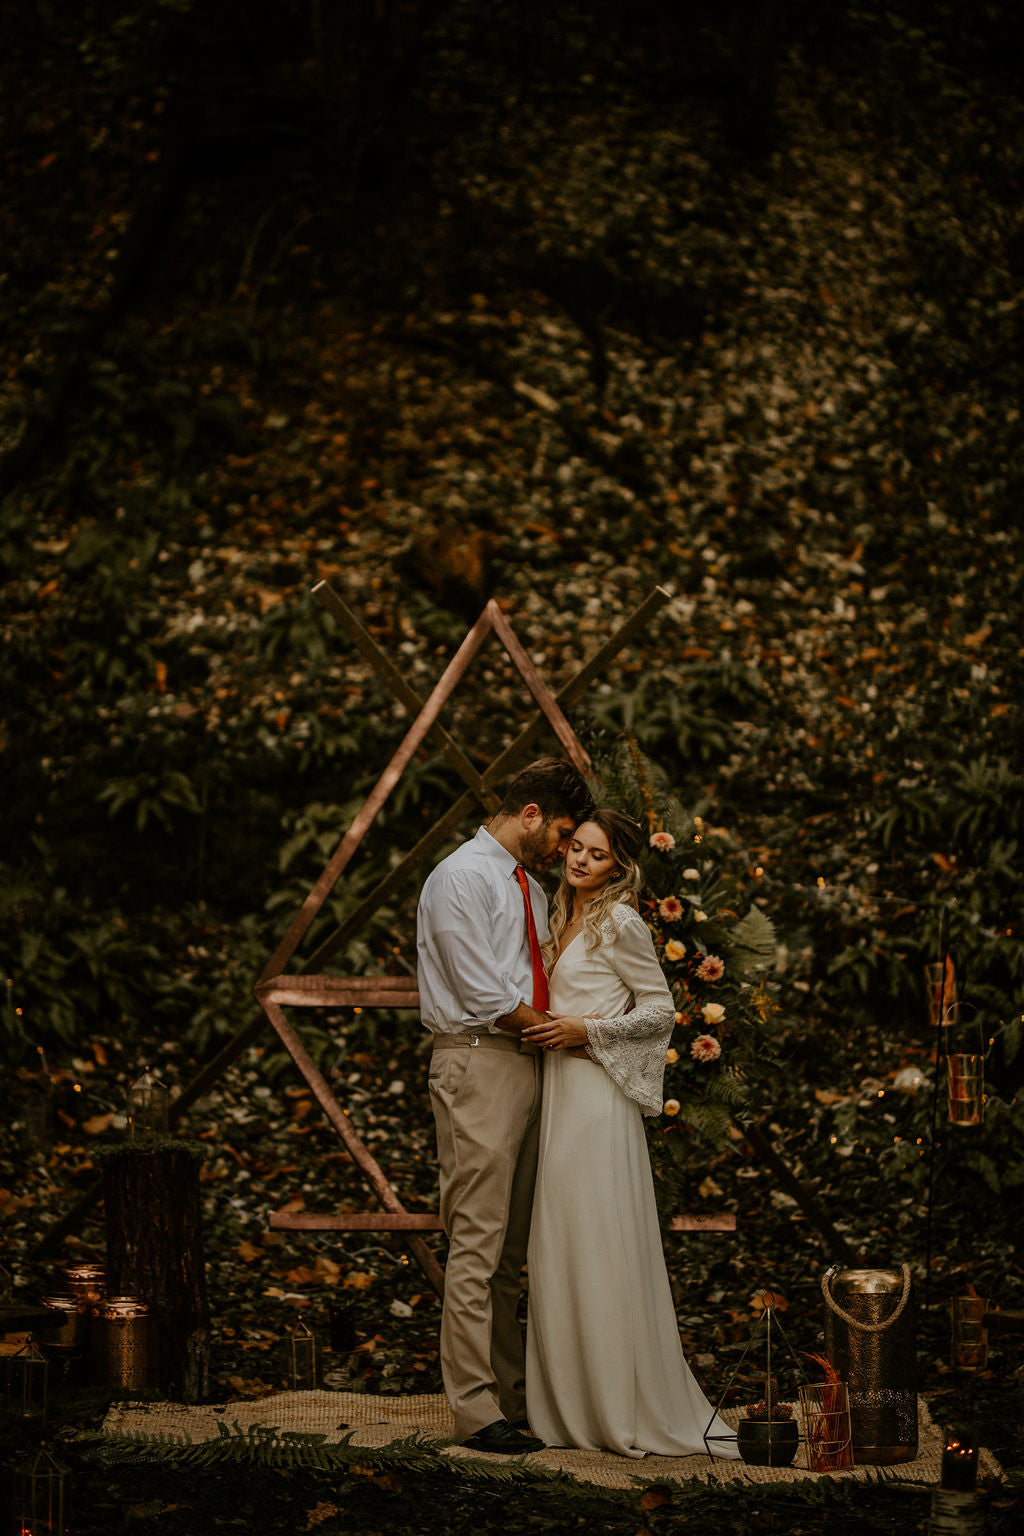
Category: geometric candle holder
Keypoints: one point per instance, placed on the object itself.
(304, 1351)
(42, 1500)
(25, 1381)
(148, 1104)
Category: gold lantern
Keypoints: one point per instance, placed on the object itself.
(26, 1381)
(148, 1102)
(304, 1355)
(42, 1500)
(122, 1350)
(871, 1340)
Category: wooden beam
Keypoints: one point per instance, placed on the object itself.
(354, 1145)
(725, 1222)
(396, 683)
(355, 1221)
(367, 813)
(453, 818)
(319, 991)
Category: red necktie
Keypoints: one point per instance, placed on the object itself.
(540, 981)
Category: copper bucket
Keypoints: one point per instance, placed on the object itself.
(122, 1352)
(870, 1338)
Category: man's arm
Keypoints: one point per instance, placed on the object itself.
(520, 1018)
(459, 928)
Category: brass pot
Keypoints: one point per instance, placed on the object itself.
(767, 1442)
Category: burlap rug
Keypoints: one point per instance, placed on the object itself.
(379, 1421)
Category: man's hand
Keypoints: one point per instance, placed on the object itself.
(561, 1032)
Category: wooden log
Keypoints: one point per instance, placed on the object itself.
(155, 1252)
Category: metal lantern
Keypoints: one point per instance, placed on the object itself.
(304, 1354)
(121, 1350)
(870, 1338)
(42, 1500)
(87, 1284)
(26, 1381)
(965, 1088)
(148, 1102)
(70, 1323)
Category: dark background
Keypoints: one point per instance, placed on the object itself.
(552, 303)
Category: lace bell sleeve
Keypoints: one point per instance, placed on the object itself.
(632, 1047)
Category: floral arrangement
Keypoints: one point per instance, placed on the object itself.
(714, 943)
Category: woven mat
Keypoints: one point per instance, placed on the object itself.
(378, 1421)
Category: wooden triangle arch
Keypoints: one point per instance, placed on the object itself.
(279, 988)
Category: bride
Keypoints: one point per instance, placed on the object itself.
(604, 1365)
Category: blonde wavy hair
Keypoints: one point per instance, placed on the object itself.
(626, 841)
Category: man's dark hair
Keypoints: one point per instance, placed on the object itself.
(552, 784)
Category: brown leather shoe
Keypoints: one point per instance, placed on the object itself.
(503, 1439)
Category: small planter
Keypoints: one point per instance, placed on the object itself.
(767, 1442)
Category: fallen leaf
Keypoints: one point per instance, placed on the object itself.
(97, 1124)
(319, 1513)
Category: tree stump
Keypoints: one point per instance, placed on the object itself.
(155, 1252)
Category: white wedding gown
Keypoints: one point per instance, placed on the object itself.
(604, 1365)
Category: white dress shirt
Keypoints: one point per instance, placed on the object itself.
(472, 941)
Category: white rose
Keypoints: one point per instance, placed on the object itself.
(713, 1013)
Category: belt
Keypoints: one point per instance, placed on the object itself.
(471, 1038)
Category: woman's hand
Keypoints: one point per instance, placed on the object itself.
(562, 1032)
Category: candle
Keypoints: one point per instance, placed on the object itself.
(960, 1460)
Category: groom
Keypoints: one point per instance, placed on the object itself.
(480, 924)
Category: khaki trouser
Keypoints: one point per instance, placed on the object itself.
(486, 1103)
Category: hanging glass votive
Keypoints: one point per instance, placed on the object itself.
(969, 1348)
(304, 1353)
(26, 1381)
(42, 1507)
(965, 1088)
(148, 1103)
(941, 992)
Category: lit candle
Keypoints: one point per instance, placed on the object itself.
(960, 1459)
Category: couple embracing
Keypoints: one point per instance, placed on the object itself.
(548, 1049)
